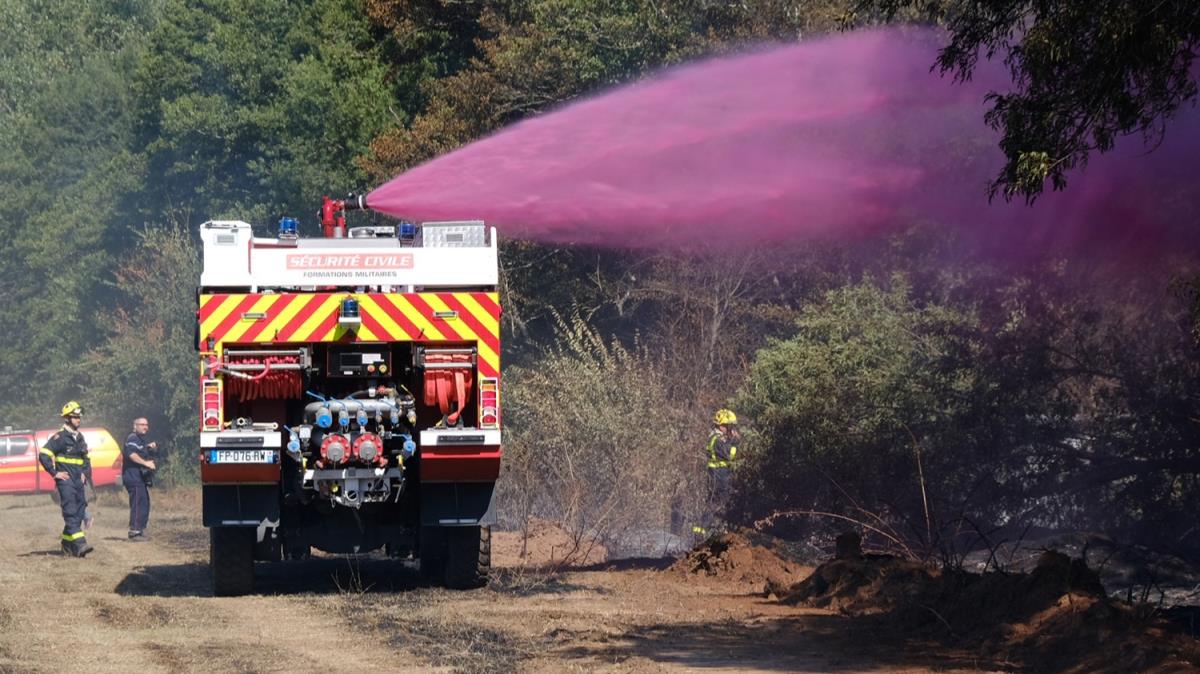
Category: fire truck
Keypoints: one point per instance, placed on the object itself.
(349, 394)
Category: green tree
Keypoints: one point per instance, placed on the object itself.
(842, 411)
(252, 109)
(530, 56)
(65, 174)
(145, 363)
(1131, 369)
(1058, 399)
(1085, 74)
(50, 38)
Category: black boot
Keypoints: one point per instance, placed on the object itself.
(77, 548)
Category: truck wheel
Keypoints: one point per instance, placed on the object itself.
(432, 553)
(469, 557)
(231, 559)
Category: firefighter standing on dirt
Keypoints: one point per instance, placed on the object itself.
(65, 457)
(721, 449)
(138, 465)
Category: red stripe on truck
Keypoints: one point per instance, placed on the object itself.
(477, 463)
(239, 473)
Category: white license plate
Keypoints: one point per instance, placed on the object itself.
(241, 456)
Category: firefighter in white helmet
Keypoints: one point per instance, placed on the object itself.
(65, 457)
(721, 452)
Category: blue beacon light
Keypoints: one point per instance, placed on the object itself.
(289, 228)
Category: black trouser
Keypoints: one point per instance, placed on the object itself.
(139, 504)
(720, 485)
(74, 505)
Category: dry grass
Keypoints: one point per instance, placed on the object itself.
(146, 607)
(427, 625)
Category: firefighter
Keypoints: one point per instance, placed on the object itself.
(721, 452)
(65, 457)
(138, 465)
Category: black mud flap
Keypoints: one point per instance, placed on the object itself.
(240, 505)
(457, 504)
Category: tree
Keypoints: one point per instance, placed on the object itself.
(528, 57)
(65, 177)
(1058, 398)
(872, 384)
(145, 364)
(57, 36)
(121, 112)
(253, 109)
(1085, 73)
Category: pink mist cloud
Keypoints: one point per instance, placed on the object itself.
(838, 138)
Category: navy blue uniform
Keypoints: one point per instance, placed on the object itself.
(66, 452)
(135, 483)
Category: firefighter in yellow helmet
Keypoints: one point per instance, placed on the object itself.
(65, 457)
(721, 453)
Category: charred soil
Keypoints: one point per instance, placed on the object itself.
(1055, 618)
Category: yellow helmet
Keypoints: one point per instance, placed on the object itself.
(71, 408)
(724, 417)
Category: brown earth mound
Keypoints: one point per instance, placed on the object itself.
(744, 559)
(868, 585)
(1056, 618)
(543, 545)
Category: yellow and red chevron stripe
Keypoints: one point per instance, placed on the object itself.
(249, 318)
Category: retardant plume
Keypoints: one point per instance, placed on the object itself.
(835, 138)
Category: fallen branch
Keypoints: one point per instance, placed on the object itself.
(770, 519)
(939, 617)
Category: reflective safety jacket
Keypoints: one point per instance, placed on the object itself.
(66, 451)
(721, 450)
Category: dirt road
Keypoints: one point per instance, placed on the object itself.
(147, 607)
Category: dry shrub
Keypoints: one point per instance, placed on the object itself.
(595, 443)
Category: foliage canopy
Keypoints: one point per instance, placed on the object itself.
(1084, 74)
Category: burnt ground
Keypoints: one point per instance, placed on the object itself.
(147, 607)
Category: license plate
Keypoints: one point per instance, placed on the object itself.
(241, 456)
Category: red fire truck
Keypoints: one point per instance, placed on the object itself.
(349, 394)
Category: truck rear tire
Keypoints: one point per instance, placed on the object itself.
(468, 557)
(431, 551)
(231, 559)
